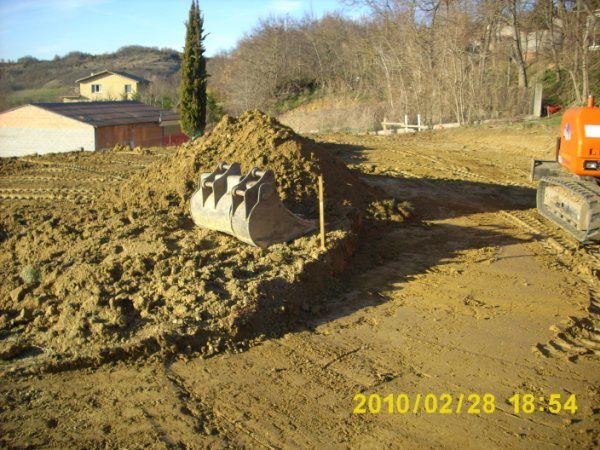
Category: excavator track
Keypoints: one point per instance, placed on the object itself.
(576, 337)
(573, 205)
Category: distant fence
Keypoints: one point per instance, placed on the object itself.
(389, 127)
(403, 125)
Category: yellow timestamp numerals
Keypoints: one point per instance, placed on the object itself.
(429, 404)
(554, 403)
(460, 404)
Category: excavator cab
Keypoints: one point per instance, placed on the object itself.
(579, 148)
(568, 192)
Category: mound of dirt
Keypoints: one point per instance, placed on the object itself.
(254, 140)
(129, 274)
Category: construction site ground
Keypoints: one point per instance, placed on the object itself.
(475, 294)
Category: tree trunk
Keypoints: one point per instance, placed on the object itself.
(550, 16)
(585, 80)
(517, 45)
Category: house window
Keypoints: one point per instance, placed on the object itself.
(128, 89)
(96, 88)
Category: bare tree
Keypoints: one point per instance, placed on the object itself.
(457, 60)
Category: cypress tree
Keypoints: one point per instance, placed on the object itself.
(192, 103)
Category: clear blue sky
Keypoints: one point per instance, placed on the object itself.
(44, 28)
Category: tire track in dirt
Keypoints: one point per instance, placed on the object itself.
(61, 167)
(352, 363)
(60, 180)
(50, 193)
(44, 196)
(574, 337)
(264, 413)
(474, 357)
(41, 178)
(335, 365)
(586, 260)
(206, 422)
(461, 171)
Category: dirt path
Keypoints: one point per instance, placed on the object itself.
(467, 298)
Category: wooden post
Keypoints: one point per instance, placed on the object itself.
(322, 212)
(418, 122)
(384, 124)
(406, 123)
(537, 99)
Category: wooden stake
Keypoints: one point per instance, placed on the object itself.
(322, 212)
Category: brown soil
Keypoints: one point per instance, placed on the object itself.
(10, 166)
(475, 294)
(127, 274)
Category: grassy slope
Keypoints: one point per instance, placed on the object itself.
(32, 80)
(35, 95)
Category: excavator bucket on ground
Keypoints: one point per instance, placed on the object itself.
(246, 207)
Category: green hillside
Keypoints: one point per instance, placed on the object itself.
(30, 80)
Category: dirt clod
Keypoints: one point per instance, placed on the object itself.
(29, 274)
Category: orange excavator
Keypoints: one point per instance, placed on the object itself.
(568, 192)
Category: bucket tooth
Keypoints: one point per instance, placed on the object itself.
(259, 217)
(246, 207)
(210, 205)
